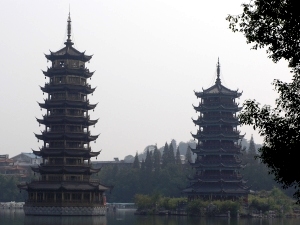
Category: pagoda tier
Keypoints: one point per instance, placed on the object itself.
(86, 89)
(64, 185)
(58, 71)
(218, 149)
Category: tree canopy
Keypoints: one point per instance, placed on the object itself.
(275, 25)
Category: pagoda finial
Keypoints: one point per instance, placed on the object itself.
(69, 42)
(218, 80)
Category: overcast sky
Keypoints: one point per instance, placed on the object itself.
(149, 57)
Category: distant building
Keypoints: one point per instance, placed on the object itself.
(27, 159)
(115, 162)
(9, 168)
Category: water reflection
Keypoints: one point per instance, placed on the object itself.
(65, 220)
(126, 217)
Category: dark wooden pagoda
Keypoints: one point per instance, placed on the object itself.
(218, 163)
(64, 185)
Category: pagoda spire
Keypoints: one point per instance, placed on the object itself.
(69, 41)
(218, 80)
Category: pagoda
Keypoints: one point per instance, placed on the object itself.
(218, 149)
(64, 185)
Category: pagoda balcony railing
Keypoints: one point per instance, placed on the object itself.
(205, 161)
(225, 132)
(223, 146)
(66, 147)
(69, 98)
(84, 180)
(66, 131)
(65, 164)
(211, 117)
(213, 177)
(66, 114)
(81, 83)
(64, 203)
(232, 104)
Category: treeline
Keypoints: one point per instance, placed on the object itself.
(158, 173)
(9, 191)
(161, 172)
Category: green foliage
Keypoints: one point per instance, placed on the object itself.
(9, 191)
(272, 200)
(188, 155)
(273, 24)
(128, 181)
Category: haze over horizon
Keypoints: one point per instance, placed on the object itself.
(149, 57)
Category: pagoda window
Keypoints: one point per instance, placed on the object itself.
(62, 64)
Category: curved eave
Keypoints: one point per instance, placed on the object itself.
(52, 120)
(81, 56)
(68, 87)
(67, 136)
(221, 165)
(203, 94)
(65, 169)
(67, 103)
(202, 122)
(218, 108)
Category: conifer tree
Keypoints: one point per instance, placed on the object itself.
(148, 161)
(188, 155)
(143, 165)
(136, 162)
(165, 156)
(178, 160)
(252, 149)
(156, 159)
(171, 154)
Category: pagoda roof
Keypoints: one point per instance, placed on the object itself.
(71, 186)
(68, 52)
(66, 152)
(67, 103)
(68, 87)
(68, 136)
(82, 72)
(218, 88)
(66, 119)
(60, 169)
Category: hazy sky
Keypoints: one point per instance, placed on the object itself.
(149, 56)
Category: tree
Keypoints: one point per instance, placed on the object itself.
(156, 159)
(136, 162)
(165, 156)
(275, 24)
(148, 161)
(171, 154)
(178, 159)
(188, 155)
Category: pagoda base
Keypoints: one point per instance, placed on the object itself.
(65, 211)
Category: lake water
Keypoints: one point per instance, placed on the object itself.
(126, 217)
